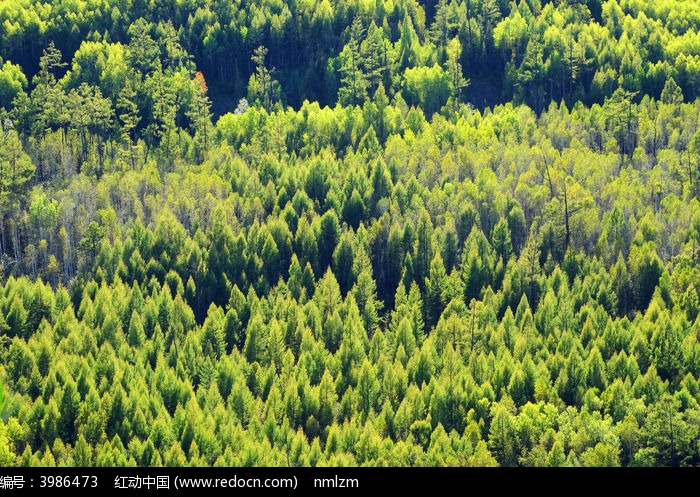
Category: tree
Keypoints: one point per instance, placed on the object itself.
(354, 210)
(672, 93)
(556, 457)
(343, 257)
(502, 241)
(454, 69)
(353, 81)
(503, 441)
(667, 353)
(328, 237)
(424, 250)
(160, 132)
(270, 256)
(128, 114)
(254, 346)
(572, 380)
(328, 399)
(375, 59)
(622, 117)
(429, 87)
(16, 319)
(7, 451)
(435, 284)
(622, 286)
(365, 293)
(47, 97)
(646, 270)
(91, 115)
(16, 170)
(368, 389)
(668, 435)
(488, 17)
(136, 335)
(442, 29)
(143, 53)
(213, 336)
(601, 455)
(93, 238)
(69, 407)
(262, 86)
(447, 405)
(4, 401)
(13, 82)
(199, 113)
(408, 44)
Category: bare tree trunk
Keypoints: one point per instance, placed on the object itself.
(567, 238)
(473, 302)
(16, 245)
(2, 236)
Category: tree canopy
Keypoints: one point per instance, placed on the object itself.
(340, 233)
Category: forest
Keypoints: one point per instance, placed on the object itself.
(349, 233)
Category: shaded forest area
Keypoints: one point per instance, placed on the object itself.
(530, 51)
(360, 264)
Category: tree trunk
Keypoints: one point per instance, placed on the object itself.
(567, 237)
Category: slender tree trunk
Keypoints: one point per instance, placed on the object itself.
(16, 245)
(567, 238)
(673, 446)
(473, 319)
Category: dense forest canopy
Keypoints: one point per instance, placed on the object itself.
(349, 233)
(531, 51)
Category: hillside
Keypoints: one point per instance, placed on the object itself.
(313, 233)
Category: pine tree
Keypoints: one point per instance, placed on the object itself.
(343, 263)
(262, 86)
(199, 114)
(353, 81)
(424, 250)
(435, 283)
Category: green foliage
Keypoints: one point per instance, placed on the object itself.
(433, 233)
(429, 87)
